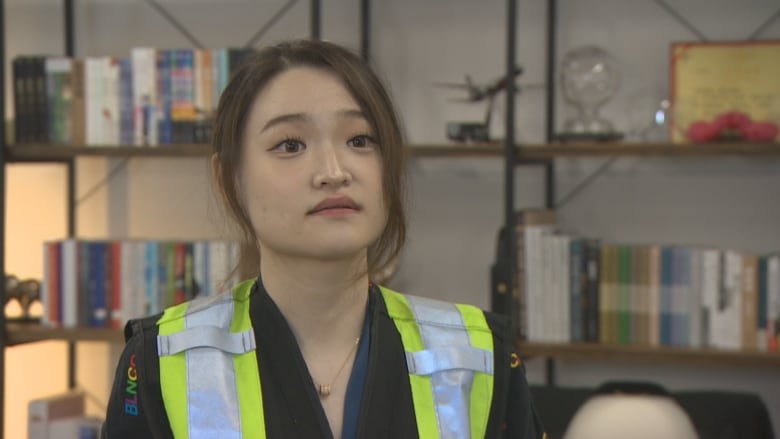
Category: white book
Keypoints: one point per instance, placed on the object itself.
(773, 299)
(710, 274)
(110, 113)
(546, 286)
(549, 287)
(732, 306)
(69, 282)
(534, 281)
(695, 298)
(564, 288)
(93, 98)
(144, 60)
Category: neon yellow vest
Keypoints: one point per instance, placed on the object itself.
(210, 379)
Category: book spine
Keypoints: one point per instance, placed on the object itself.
(592, 292)
(58, 99)
(109, 113)
(749, 302)
(773, 311)
(577, 301)
(763, 302)
(665, 308)
(69, 276)
(152, 278)
(40, 112)
(126, 115)
(78, 104)
(116, 316)
(144, 79)
(21, 99)
(654, 295)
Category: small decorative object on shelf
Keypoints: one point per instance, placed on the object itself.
(732, 125)
(589, 78)
(648, 113)
(467, 132)
(479, 132)
(21, 298)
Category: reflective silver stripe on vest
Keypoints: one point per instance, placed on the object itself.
(445, 359)
(212, 398)
(430, 361)
(206, 337)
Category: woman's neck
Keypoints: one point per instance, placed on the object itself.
(324, 302)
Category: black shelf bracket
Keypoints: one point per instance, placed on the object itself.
(3, 329)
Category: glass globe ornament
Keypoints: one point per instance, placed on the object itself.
(589, 78)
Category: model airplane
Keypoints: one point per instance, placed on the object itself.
(478, 131)
(477, 93)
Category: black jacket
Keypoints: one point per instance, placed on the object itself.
(291, 404)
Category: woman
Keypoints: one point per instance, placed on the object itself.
(309, 161)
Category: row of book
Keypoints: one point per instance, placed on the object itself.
(93, 283)
(152, 97)
(575, 289)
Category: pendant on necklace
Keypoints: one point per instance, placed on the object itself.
(324, 390)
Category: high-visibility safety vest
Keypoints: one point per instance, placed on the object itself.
(211, 385)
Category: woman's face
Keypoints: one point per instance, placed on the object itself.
(311, 171)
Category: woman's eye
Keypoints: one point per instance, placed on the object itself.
(361, 141)
(290, 146)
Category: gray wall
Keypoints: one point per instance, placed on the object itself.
(456, 204)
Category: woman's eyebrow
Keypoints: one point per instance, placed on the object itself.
(352, 114)
(305, 117)
(286, 118)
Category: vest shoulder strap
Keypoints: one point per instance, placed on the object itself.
(449, 355)
(198, 341)
(206, 322)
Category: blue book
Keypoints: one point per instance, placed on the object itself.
(665, 308)
(96, 292)
(126, 121)
(151, 276)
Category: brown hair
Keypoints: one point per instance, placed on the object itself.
(365, 87)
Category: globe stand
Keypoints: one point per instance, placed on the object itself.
(589, 79)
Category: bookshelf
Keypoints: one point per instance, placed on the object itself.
(43, 152)
(647, 354)
(21, 333)
(541, 151)
(545, 155)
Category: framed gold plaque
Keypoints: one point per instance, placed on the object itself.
(709, 79)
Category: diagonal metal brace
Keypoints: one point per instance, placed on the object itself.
(175, 23)
(276, 17)
(585, 182)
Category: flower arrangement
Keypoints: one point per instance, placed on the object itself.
(732, 125)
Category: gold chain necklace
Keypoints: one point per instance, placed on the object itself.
(324, 389)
